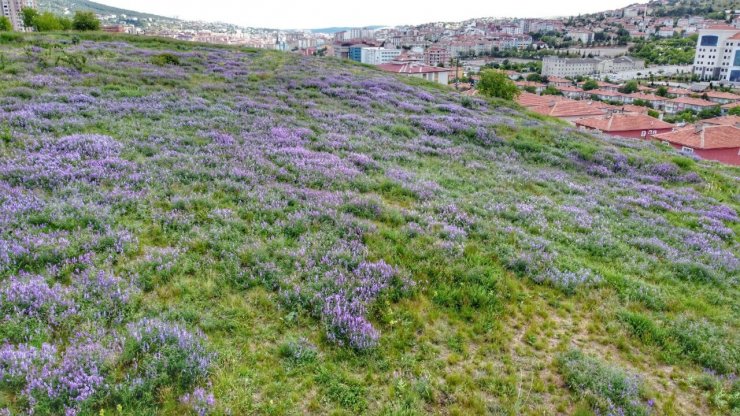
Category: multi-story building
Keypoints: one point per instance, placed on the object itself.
(12, 9)
(378, 56)
(436, 55)
(568, 67)
(717, 54)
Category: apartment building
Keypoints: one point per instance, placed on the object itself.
(12, 10)
(569, 67)
(436, 55)
(718, 54)
(378, 56)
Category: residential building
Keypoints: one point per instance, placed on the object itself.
(436, 55)
(583, 36)
(722, 97)
(377, 56)
(570, 110)
(687, 103)
(573, 67)
(720, 142)
(626, 125)
(12, 9)
(718, 54)
(655, 101)
(418, 70)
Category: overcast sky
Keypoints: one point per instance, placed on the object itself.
(305, 14)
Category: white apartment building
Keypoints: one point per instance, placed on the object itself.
(378, 56)
(716, 54)
(12, 10)
(569, 67)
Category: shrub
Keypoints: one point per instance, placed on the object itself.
(165, 59)
(84, 21)
(298, 351)
(496, 84)
(5, 25)
(166, 354)
(608, 389)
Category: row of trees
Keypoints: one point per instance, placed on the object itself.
(49, 22)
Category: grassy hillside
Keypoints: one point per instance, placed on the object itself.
(186, 229)
(60, 6)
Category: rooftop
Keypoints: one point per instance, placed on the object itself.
(724, 121)
(410, 68)
(624, 122)
(570, 108)
(704, 137)
(722, 95)
(694, 101)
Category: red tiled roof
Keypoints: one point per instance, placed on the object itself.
(722, 95)
(678, 91)
(528, 84)
(723, 121)
(410, 68)
(569, 89)
(694, 101)
(646, 97)
(526, 99)
(570, 108)
(707, 137)
(624, 122)
(605, 93)
(736, 36)
(729, 106)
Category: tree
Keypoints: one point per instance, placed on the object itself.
(84, 21)
(590, 85)
(64, 23)
(534, 78)
(5, 25)
(662, 91)
(29, 16)
(735, 111)
(551, 90)
(630, 87)
(47, 22)
(496, 84)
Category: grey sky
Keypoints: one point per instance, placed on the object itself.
(325, 13)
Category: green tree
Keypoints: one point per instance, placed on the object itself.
(29, 16)
(65, 23)
(590, 85)
(735, 111)
(84, 21)
(496, 84)
(550, 90)
(47, 22)
(534, 78)
(662, 91)
(5, 25)
(630, 87)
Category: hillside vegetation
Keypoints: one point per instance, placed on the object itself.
(187, 229)
(61, 6)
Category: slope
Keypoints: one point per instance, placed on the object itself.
(62, 6)
(189, 229)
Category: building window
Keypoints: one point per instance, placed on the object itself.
(688, 150)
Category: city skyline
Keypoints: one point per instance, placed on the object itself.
(295, 14)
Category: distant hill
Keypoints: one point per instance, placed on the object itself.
(341, 29)
(71, 6)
